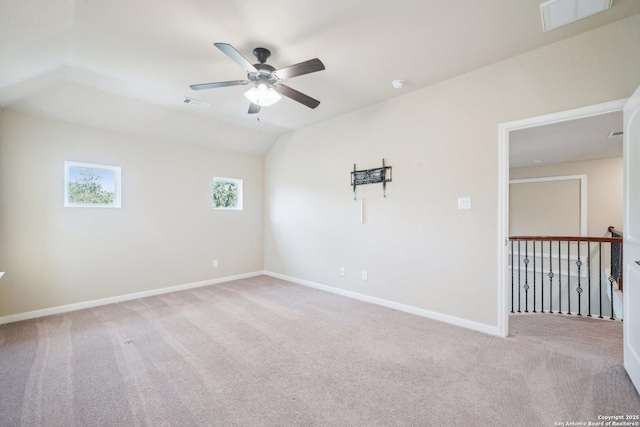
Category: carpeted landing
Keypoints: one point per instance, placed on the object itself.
(265, 352)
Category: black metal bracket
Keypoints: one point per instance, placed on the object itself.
(371, 176)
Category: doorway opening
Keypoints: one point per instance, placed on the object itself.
(530, 154)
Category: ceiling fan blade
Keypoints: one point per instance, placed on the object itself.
(306, 67)
(219, 84)
(253, 108)
(296, 96)
(232, 53)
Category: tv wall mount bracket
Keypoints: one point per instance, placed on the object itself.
(371, 176)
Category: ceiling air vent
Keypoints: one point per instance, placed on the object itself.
(196, 103)
(557, 13)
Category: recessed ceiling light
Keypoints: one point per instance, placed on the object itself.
(615, 133)
(557, 13)
(538, 161)
(397, 84)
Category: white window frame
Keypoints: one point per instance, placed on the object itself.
(238, 183)
(117, 188)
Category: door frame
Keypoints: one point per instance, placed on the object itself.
(503, 189)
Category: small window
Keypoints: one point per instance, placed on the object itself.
(91, 186)
(227, 193)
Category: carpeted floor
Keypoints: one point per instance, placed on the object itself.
(265, 352)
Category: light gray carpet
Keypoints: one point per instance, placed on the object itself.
(265, 352)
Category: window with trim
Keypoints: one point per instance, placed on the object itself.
(91, 186)
(227, 193)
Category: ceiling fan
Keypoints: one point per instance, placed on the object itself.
(266, 80)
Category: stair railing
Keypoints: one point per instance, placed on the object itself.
(563, 274)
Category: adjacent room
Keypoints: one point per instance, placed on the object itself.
(297, 213)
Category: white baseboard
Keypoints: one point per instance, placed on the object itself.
(469, 324)
(104, 301)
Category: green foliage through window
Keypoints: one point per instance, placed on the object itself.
(88, 189)
(225, 194)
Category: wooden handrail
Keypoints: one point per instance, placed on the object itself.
(568, 239)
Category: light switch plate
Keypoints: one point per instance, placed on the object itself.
(464, 203)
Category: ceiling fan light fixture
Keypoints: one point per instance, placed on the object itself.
(262, 95)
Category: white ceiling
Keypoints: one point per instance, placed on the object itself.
(126, 65)
(569, 141)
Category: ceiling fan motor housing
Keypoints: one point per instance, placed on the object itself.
(264, 75)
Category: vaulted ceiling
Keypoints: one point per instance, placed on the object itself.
(127, 65)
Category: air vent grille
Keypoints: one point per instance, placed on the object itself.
(196, 103)
(557, 13)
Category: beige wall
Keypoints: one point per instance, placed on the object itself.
(549, 208)
(442, 142)
(604, 190)
(165, 234)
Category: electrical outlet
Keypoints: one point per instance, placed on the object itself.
(343, 271)
(364, 275)
(215, 263)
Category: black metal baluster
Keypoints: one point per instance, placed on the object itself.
(550, 277)
(559, 278)
(589, 274)
(534, 276)
(526, 276)
(512, 276)
(611, 280)
(568, 277)
(600, 277)
(519, 282)
(579, 289)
